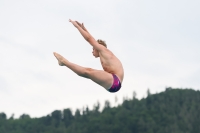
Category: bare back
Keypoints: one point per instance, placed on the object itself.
(111, 63)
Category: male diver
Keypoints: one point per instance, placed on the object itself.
(111, 76)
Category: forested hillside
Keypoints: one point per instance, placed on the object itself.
(172, 111)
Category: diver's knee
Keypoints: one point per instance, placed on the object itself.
(86, 72)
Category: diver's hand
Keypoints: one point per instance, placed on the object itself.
(82, 26)
(74, 23)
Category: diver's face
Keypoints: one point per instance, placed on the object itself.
(95, 53)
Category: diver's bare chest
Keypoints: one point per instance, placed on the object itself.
(107, 62)
(106, 67)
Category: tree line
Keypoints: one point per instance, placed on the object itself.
(172, 111)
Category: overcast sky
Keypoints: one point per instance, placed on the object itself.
(158, 43)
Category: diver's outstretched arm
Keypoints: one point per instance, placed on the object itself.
(81, 29)
(82, 26)
(88, 37)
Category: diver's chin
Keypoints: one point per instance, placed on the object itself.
(95, 56)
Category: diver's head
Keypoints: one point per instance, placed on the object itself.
(95, 52)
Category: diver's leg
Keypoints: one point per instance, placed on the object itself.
(79, 70)
(98, 76)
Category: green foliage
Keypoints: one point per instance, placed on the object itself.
(3, 116)
(172, 111)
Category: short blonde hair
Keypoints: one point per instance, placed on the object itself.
(102, 42)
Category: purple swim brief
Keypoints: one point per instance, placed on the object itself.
(116, 84)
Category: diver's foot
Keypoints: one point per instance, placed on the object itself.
(61, 60)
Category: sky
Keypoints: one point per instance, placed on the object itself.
(158, 43)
